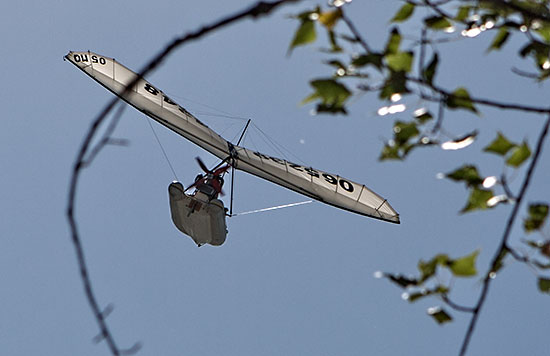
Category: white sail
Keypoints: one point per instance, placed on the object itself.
(326, 187)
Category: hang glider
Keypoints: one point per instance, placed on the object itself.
(325, 187)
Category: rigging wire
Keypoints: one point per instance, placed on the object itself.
(270, 142)
(221, 113)
(225, 116)
(162, 149)
(273, 208)
(277, 146)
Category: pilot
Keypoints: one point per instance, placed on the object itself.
(211, 185)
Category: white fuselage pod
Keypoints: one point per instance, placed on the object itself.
(195, 216)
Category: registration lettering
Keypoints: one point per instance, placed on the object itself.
(85, 58)
(344, 184)
(154, 91)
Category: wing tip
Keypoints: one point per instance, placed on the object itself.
(393, 219)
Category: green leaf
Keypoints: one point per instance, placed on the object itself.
(544, 31)
(423, 115)
(403, 131)
(519, 155)
(465, 266)
(304, 34)
(477, 200)
(400, 61)
(331, 93)
(537, 216)
(430, 71)
(336, 63)
(500, 38)
(374, 59)
(404, 12)
(428, 269)
(460, 99)
(437, 22)
(462, 13)
(393, 42)
(439, 315)
(329, 19)
(331, 109)
(544, 285)
(390, 152)
(413, 297)
(536, 49)
(401, 281)
(500, 145)
(466, 173)
(396, 83)
(439, 289)
(539, 51)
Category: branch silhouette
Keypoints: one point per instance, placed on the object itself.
(87, 153)
(505, 236)
(441, 96)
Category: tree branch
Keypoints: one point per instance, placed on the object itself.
(258, 9)
(441, 95)
(504, 240)
(481, 101)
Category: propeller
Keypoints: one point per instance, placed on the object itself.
(202, 165)
(216, 171)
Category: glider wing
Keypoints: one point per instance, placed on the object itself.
(326, 187)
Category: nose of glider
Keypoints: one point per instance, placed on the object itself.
(87, 58)
(81, 59)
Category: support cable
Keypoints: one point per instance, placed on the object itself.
(274, 208)
(162, 149)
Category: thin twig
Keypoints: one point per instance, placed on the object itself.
(356, 33)
(481, 101)
(440, 113)
(525, 74)
(455, 306)
(517, 256)
(106, 139)
(435, 7)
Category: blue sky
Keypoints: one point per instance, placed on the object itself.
(296, 281)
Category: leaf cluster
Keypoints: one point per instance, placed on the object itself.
(481, 195)
(405, 68)
(427, 283)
